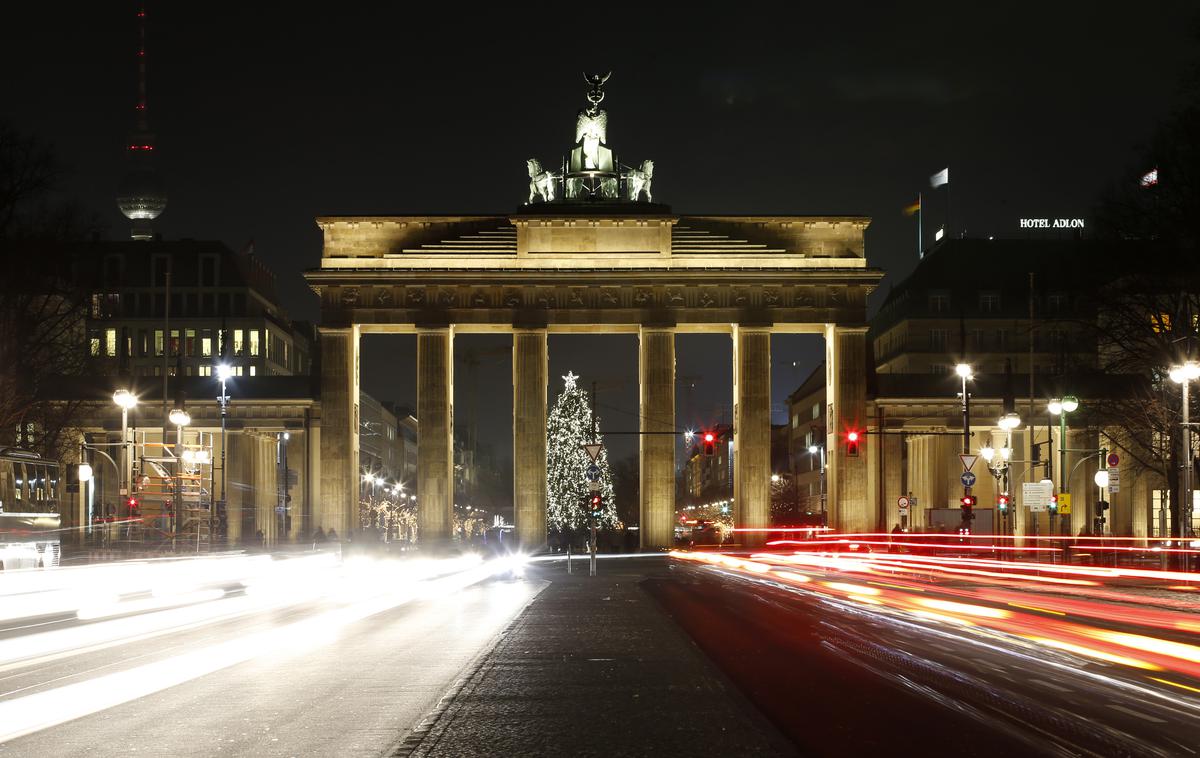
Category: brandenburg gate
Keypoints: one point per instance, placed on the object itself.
(591, 253)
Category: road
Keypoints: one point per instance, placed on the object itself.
(850, 654)
(325, 660)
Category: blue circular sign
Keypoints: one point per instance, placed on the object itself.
(593, 472)
(967, 478)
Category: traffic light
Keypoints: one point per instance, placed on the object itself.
(131, 506)
(594, 504)
(1002, 503)
(852, 444)
(710, 443)
(968, 506)
(1053, 503)
(1101, 507)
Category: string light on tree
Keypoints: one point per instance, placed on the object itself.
(567, 491)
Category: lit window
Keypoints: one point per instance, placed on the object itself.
(206, 371)
(206, 347)
(238, 341)
(174, 342)
(158, 341)
(253, 370)
(1162, 323)
(816, 410)
(237, 370)
(110, 343)
(189, 342)
(95, 347)
(253, 342)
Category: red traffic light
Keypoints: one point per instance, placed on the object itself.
(968, 501)
(709, 437)
(710, 443)
(852, 436)
(595, 501)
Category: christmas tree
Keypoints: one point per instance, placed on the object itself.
(567, 491)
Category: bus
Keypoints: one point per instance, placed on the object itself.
(30, 520)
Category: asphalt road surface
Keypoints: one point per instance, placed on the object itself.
(308, 673)
(851, 657)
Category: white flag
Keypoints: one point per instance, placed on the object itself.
(940, 178)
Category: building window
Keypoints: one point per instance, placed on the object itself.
(1056, 302)
(159, 268)
(143, 343)
(174, 342)
(238, 341)
(816, 411)
(1001, 339)
(939, 368)
(206, 344)
(989, 302)
(1162, 323)
(208, 271)
(94, 342)
(253, 370)
(254, 342)
(938, 338)
(110, 343)
(158, 342)
(189, 342)
(939, 303)
(977, 339)
(205, 370)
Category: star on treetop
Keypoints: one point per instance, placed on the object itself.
(570, 380)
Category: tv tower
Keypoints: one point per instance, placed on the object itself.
(141, 195)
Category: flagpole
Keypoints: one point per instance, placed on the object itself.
(920, 235)
(949, 229)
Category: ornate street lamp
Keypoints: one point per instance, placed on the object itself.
(1184, 375)
(180, 418)
(1062, 407)
(126, 400)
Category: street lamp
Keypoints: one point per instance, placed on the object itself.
(813, 450)
(1184, 375)
(180, 418)
(126, 400)
(1061, 407)
(223, 372)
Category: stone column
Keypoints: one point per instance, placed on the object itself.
(338, 507)
(435, 440)
(892, 448)
(529, 436)
(846, 376)
(656, 370)
(752, 429)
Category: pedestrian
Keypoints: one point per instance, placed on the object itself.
(318, 537)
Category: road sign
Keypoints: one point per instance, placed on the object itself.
(593, 472)
(593, 449)
(902, 502)
(1064, 503)
(1035, 496)
(594, 485)
(1114, 477)
(967, 478)
(968, 461)
(1113, 460)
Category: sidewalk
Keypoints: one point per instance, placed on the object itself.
(593, 667)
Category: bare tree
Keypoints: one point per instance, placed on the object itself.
(43, 306)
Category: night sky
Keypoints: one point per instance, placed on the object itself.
(270, 115)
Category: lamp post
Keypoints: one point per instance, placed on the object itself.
(223, 373)
(126, 400)
(1061, 407)
(814, 450)
(964, 372)
(1000, 467)
(1183, 376)
(180, 418)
